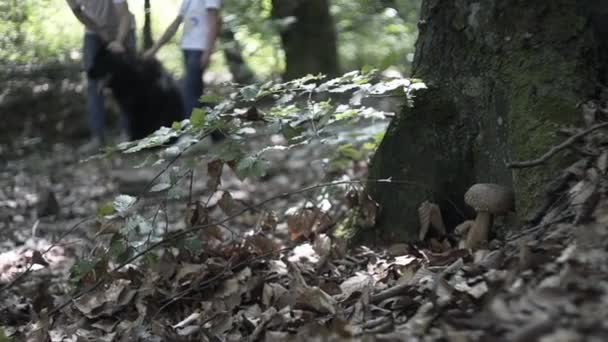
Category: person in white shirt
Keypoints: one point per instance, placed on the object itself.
(106, 22)
(201, 21)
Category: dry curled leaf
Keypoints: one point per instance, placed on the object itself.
(368, 210)
(227, 204)
(305, 222)
(196, 215)
(352, 198)
(262, 245)
(214, 171)
(429, 215)
(269, 222)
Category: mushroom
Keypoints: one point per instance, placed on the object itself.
(487, 200)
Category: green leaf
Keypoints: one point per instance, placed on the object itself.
(160, 187)
(290, 132)
(251, 167)
(210, 99)
(227, 151)
(195, 245)
(176, 125)
(3, 337)
(349, 151)
(367, 69)
(250, 92)
(81, 268)
(135, 222)
(122, 204)
(349, 113)
(105, 210)
(197, 119)
(118, 246)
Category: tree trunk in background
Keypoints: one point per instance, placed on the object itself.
(147, 30)
(503, 76)
(233, 52)
(310, 42)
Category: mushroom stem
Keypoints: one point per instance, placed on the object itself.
(479, 231)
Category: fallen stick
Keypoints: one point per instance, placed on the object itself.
(555, 149)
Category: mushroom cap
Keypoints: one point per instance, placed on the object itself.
(493, 198)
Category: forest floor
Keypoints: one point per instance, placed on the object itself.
(269, 268)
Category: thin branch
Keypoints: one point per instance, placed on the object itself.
(53, 245)
(194, 229)
(555, 149)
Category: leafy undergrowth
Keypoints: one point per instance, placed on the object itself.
(212, 253)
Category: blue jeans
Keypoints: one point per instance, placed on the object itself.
(193, 81)
(96, 112)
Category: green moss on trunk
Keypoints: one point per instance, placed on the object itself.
(505, 77)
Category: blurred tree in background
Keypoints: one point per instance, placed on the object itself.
(376, 33)
(308, 34)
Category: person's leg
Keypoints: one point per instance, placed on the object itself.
(193, 82)
(193, 86)
(95, 103)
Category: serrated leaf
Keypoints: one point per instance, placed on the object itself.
(250, 92)
(135, 222)
(158, 138)
(251, 167)
(290, 132)
(228, 150)
(197, 119)
(160, 187)
(122, 204)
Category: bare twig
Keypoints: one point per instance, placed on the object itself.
(53, 245)
(555, 149)
(194, 229)
(390, 292)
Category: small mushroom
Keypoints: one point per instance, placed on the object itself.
(487, 200)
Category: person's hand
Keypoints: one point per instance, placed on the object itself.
(116, 47)
(205, 58)
(149, 54)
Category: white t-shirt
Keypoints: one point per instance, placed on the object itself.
(196, 28)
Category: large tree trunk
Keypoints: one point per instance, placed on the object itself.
(233, 52)
(503, 76)
(310, 42)
(147, 29)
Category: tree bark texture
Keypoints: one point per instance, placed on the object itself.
(503, 76)
(310, 42)
(147, 29)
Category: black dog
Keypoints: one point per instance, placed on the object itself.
(144, 90)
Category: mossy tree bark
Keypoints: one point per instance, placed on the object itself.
(310, 42)
(502, 77)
